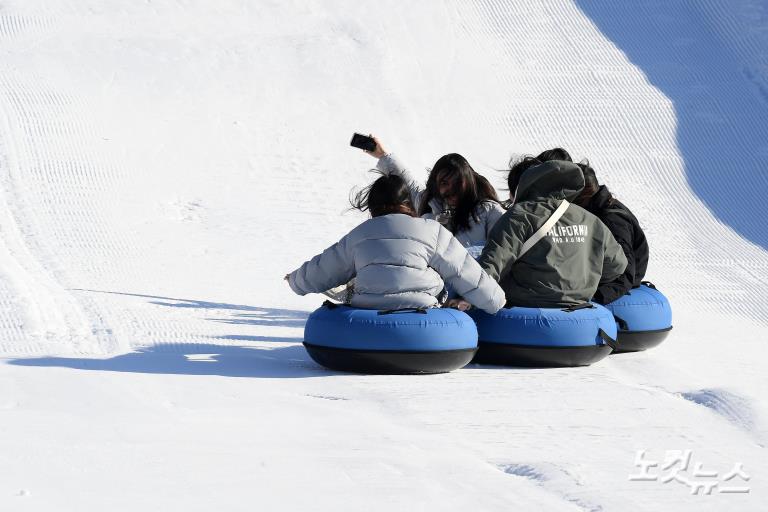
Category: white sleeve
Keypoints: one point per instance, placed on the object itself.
(391, 165)
(333, 267)
(495, 212)
(459, 269)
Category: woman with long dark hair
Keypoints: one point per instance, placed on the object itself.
(397, 259)
(455, 195)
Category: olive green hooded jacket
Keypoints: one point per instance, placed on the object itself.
(566, 266)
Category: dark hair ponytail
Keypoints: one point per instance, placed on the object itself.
(388, 194)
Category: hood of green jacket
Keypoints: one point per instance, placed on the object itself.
(555, 179)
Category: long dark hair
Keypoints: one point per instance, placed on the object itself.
(591, 185)
(471, 189)
(388, 194)
(516, 169)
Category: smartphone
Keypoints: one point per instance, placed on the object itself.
(363, 142)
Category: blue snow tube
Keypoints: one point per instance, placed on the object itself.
(643, 316)
(545, 337)
(390, 342)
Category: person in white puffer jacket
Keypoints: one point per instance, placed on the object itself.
(455, 195)
(398, 261)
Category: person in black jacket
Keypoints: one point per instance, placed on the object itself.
(625, 228)
(619, 219)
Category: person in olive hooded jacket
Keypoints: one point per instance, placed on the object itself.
(617, 217)
(572, 257)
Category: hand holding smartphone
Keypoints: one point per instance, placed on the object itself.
(363, 142)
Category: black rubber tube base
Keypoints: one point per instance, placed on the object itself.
(385, 362)
(635, 341)
(532, 356)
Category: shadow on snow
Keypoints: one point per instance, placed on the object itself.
(720, 105)
(197, 359)
(245, 315)
(208, 359)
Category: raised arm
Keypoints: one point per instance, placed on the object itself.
(388, 162)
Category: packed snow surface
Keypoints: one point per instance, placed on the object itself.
(164, 163)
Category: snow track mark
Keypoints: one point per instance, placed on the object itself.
(551, 478)
(13, 26)
(52, 186)
(732, 407)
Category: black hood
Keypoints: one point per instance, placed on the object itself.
(555, 179)
(601, 200)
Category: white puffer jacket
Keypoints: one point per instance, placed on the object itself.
(487, 212)
(399, 262)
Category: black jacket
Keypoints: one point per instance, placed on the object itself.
(627, 231)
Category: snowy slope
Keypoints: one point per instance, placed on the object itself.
(164, 163)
